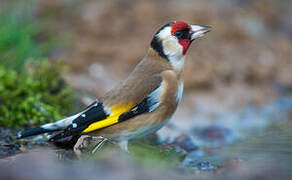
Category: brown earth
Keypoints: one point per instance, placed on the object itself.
(250, 43)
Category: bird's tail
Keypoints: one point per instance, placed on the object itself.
(50, 127)
(33, 131)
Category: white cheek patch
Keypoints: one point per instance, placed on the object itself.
(172, 49)
(170, 44)
(175, 56)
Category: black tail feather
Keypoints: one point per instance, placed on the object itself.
(32, 132)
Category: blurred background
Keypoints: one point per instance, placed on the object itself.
(235, 118)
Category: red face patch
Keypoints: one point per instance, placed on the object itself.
(185, 43)
(179, 26)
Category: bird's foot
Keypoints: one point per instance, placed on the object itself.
(86, 141)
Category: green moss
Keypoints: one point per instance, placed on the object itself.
(40, 96)
(140, 153)
(33, 99)
(160, 156)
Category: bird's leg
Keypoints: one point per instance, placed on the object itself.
(124, 145)
(99, 145)
(86, 141)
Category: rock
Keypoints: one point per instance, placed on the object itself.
(7, 145)
(191, 159)
(186, 143)
(205, 166)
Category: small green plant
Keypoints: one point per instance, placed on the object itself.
(22, 36)
(35, 98)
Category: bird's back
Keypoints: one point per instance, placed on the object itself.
(140, 82)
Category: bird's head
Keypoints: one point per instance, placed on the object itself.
(172, 40)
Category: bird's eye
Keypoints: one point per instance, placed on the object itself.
(178, 34)
(182, 34)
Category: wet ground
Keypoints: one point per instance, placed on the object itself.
(257, 142)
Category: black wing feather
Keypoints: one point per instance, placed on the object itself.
(92, 114)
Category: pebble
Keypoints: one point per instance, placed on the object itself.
(192, 157)
(186, 143)
(205, 166)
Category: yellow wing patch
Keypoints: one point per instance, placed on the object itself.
(116, 111)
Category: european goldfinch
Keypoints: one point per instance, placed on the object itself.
(144, 102)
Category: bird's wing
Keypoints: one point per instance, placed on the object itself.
(105, 113)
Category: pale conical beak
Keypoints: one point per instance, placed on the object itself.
(198, 31)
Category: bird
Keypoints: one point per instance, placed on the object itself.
(144, 102)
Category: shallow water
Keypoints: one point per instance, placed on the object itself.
(267, 147)
(272, 150)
